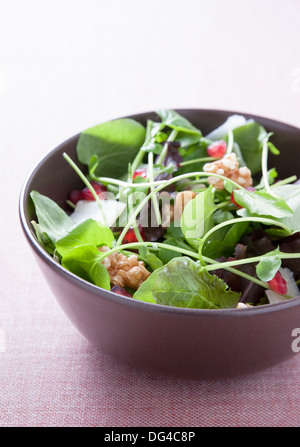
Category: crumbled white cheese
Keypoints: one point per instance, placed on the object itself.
(86, 209)
(231, 123)
(292, 288)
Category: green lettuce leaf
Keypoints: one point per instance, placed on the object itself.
(178, 122)
(197, 216)
(144, 292)
(53, 222)
(262, 204)
(250, 139)
(115, 143)
(223, 241)
(291, 195)
(84, 261)
(90, 232)
(268, 266)
(184, 283)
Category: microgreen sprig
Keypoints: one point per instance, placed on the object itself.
(88, 184)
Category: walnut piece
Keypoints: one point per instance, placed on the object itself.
(125, 271)
(228, 167)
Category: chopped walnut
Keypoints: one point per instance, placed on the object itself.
(125, 271)
(228, 167)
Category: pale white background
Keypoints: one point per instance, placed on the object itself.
(67, 65)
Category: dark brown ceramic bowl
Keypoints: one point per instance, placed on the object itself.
(161, 340)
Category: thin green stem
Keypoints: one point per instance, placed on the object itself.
(153, 245)
(223, 204)
(214, 265)
(160, 187)
(263, 220)
(88, 184)
(219, 265)
(71, 204)
(197, 160)
(254, 259)
(141, 153)
(286, 181)
(242, 274)
(163, 153)
(124, 184)
(164, 183)
(134, 223)
(192, 182)
(151, 177)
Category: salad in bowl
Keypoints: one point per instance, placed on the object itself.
(170, 216)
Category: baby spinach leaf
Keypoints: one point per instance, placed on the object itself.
(197, 216)
(152, 146)
(250, 138)
(115, 143)
(193, 152)
(268, 265)
(53, 221)
(188, 139)
(166, 254)
(43, 238)
(55, 230)
(223, 241)
(222, 215)
(178, 122)
(84, 261)
(262, 203)
(93, 163)
(174, 231)
(89, 231)
(214, 247)
(183, 283)
(290, 194)
(144, 292)
(150, 258)
(235, 233)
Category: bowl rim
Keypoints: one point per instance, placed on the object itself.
(127, 301)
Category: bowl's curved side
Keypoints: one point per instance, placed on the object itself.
(165, 341)
(194, 344)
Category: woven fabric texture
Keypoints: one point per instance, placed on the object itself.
(51, 376)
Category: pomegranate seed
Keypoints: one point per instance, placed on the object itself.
(131, 237)
(140, 173)
(74, 196)
(278, 284)
(86, 193)
(120, 291)
(217, 149)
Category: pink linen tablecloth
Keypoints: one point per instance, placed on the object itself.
(66, 66)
